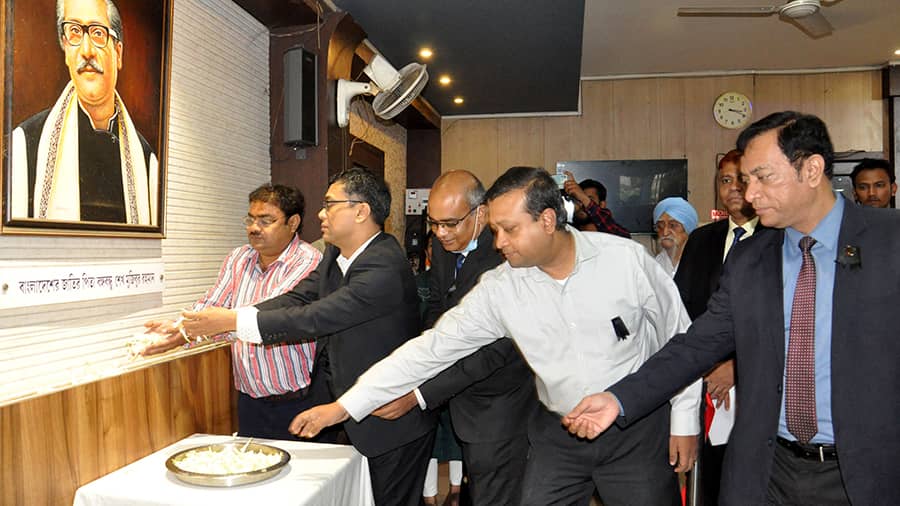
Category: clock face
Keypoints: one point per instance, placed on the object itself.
(732, 110)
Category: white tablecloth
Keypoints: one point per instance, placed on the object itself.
(317, 474)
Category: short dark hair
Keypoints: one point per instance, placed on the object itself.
(541, 191)
(287, 198)
(360, 183)
(112, 12)
(597, 185)
(799, 137)
(733, 157)
(873, 164)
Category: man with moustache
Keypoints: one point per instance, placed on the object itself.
(576, 339)
(874, 182)
(674, 219)
(359, 305)
(802, 306)
(83, 159)
(273, 382)
(491, 392)
(697, 278)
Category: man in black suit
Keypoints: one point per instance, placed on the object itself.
(818, 430)
(491, 393)
(697, 278)
(359, 304)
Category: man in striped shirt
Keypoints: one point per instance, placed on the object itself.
(272, 380)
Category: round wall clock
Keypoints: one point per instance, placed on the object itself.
(732, 110)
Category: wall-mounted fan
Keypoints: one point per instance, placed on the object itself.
(805, 14)
(393, 89)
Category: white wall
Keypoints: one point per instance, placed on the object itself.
(218, 151)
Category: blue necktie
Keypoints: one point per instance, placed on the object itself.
(460, 259)
(738, 232)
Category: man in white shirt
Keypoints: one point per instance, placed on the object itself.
(577, 339)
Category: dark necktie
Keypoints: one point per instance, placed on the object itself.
(738, 232)
(800, 390)
(460, 259)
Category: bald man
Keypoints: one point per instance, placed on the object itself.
(491, 394)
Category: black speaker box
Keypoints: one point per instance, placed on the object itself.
(300, 98)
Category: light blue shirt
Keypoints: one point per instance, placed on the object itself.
(824, 253)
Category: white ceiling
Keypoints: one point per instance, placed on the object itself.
(624, 37)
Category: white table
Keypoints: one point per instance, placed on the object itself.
(317, 474)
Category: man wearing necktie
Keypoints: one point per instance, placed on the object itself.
(697, 278)
(802, 306)
(491, 393)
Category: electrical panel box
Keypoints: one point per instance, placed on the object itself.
(416, 200)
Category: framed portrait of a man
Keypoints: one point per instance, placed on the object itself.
(85, 116)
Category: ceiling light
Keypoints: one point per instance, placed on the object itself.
(458, 100)
(426, 52)
(897, 52)
(445, 80)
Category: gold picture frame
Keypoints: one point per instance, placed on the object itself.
(85, 117)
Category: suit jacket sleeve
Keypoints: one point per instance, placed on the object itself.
(467, 371)
(369, 291)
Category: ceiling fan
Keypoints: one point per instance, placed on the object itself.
(805, 14)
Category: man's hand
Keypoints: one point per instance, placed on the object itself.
(682, 452)
(209, 322)
(397, 407)
(310, 422)
(574, 190)
(593, 415)
(172, 337)
(719, 381)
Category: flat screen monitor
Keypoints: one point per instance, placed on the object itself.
(633, 186)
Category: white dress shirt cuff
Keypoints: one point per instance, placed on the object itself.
(247, 328)
(356, 404)
(422, 404)
(685, 419)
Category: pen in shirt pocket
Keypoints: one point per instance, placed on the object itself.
(620, 328)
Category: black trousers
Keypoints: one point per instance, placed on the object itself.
(711, 458)
(797, 481)
(495, 470)
(398, 476)
(270, 417)
(628, 466)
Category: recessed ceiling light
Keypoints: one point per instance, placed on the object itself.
(897, 52)
(426, 52)
(445, 80)
(458, 100)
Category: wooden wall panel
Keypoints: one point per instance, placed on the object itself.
(854, 111)
(475, 147)
(520, 142)
(670, 118)
(51, 445)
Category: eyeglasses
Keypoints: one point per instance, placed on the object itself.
(448, 223)
(99, 34)
(326, 204)
(261, 221)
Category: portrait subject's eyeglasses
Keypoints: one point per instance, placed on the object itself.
(74, 34)
(448, 223)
